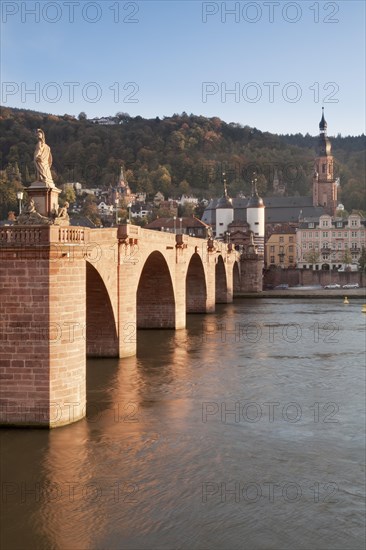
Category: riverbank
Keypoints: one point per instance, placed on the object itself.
(308, 294)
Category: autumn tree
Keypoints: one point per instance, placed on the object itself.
(90, 209)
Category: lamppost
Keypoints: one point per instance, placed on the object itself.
(20, 198)
(116, 201)
(180, 223)
(175, 224)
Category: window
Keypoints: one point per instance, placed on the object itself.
(304, 245)
(311, 225)
(272, 248)
(291, 240)
(324, 168)
(310, 234)
(325, 223)
(339, 224)
(325, 245)
(354, 234)
(290, 249)
(316, 234)
(291, 259)
(339, 234)
(339, 246)
(281, 239)
(304, 234)
(272, 259)
(333, 234)
(282, 250)
(310, 245)
(325, 234)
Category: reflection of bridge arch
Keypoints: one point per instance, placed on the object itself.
(220, 281)
(196, 290)
(155, 294)
(100, 332)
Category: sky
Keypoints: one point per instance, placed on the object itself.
(269, 65)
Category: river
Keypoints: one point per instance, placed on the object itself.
(243, 431)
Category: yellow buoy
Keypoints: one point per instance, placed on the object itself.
(364, 308)
(345, 301)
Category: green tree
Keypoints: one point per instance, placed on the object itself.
(67, 195)
(184, 187)
(8, 194)
(347, 257)
(312, 256)
(362, 260)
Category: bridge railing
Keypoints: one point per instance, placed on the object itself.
(23, 235)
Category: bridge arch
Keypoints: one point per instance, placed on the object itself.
(196, 289)
(100, 331)
(220, 281)
(155, 307)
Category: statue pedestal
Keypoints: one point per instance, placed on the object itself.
(45, 198)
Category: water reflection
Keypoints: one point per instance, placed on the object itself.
(225, 434)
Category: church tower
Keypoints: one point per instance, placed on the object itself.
(224, 213)
(256, 217)
(325, 186)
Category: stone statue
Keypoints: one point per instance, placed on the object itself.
(29, 207)
(43, 160)
(62, 217)
(30, 216)
(62, 213)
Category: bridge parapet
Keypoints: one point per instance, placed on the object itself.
(36, 235)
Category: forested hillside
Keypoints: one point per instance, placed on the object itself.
(178, 154)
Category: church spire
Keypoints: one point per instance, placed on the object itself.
(323, 124)
(324, 184)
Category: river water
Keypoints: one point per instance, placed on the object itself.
(244, 431)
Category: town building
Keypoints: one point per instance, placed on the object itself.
(280, 247)
(330, 242)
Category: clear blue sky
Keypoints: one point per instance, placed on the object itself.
(185, 56)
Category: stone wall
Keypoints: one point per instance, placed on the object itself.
(308, 277)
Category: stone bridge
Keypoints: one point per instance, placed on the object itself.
(71, 292)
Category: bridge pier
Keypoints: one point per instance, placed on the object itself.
(42, 367)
